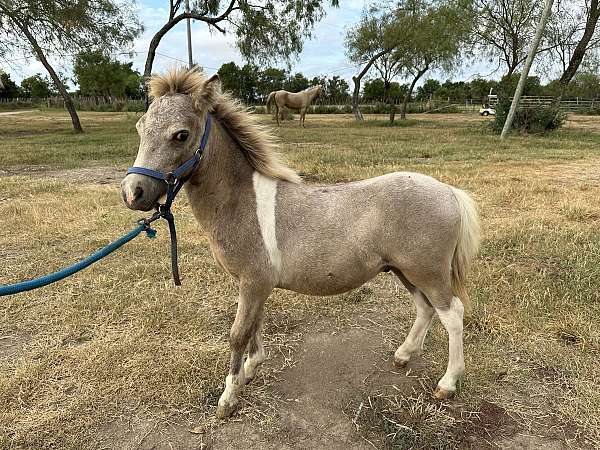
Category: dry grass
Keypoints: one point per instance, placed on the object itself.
(116, 345)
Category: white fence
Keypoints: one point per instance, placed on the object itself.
(568, 104)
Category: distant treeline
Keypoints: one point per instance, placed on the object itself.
(99, 75)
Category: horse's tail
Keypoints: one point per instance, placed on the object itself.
(466, 247)
(270, 98)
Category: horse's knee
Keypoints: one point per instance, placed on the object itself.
(239, 335)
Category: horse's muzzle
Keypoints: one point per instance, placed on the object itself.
(141, 193)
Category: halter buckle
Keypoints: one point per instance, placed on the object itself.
(170, 178)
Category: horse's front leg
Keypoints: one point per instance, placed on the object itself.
(256, 352)
(249, 313)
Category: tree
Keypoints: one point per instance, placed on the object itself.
(37, 86)
(428, 89)
(389, 67)
(434, 34)
(266, 30)
(98, 74)
(480, 89)
(9, 88)
(336, 89)
(374, 90)
(416, 35)
(241, 82)
(296, 83)
(505, 29)
(63, 27)
(373, 37)
(581, 38)
(269, 80)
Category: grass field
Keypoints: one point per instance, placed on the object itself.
(115, 357)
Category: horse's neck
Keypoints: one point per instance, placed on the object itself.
(222, 180)
(311, 94)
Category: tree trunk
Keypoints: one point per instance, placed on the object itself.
(541, 26)
(387, 100)
(55, 78)
(356, 93)
(420, 73)
(154, 45)
(174, 20)
(355, 98)
(580, 49)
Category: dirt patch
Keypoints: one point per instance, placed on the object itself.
(332, 369)
(12, 113)
(84, 175)
(11, 346)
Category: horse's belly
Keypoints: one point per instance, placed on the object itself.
(332, 280)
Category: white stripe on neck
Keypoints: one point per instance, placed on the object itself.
(265, 191)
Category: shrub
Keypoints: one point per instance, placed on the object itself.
(532, 119)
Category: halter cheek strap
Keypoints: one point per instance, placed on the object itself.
(175, 181)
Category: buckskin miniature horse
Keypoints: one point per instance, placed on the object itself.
(269, 230)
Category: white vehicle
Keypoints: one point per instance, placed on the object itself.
(487, 111)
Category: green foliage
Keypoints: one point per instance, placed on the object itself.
(296, 83)
(530, 120)
(508, 85)
(336, 89)
(273, 30)
(37, 86)
(269, 80)
(10, 88)
(252, 85)
(428, 90)
(68, 25)
(374, 91)
(98, 74)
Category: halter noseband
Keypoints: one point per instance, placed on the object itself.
(175, 181)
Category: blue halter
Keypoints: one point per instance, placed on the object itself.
(175, 181)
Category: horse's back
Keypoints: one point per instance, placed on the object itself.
(353, 230)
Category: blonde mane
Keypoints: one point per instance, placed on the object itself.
(256, 141)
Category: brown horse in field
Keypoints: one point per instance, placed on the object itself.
(294, 100)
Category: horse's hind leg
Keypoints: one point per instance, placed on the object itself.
(416, 336)
(250, 307)
(436, 295)
(450, 310)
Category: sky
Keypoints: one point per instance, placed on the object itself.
(324, 54)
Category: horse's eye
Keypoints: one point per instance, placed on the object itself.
(181, 135)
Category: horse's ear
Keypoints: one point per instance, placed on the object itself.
(207, 95)
(214, 78)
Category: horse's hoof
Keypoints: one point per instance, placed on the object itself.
(225, 410)
(400, 363)
(442, 394)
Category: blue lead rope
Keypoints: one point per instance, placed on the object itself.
(16, 288)
(175, 181)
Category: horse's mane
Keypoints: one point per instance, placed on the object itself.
(311, 88)
(256, 141)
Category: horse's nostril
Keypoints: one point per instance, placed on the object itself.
(138, 192)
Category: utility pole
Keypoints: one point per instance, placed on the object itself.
(525, 72)
(189, 35)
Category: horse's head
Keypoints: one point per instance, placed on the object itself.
(170, 132)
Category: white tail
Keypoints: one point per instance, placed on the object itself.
(466, 247)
